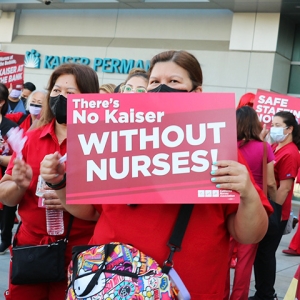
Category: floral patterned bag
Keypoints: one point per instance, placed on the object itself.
(116, 271)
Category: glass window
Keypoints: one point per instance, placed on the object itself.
(296, 51)
(294, 85)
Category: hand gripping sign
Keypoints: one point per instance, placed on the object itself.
(149, 148)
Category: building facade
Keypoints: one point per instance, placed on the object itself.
(239, 51)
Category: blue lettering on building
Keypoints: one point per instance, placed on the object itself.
(115, 64)
(126, 66)
(106, 65)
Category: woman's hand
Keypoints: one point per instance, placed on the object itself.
(51, 169)
(51, 201)
(232, 175)
(265, 131)
(21, 174)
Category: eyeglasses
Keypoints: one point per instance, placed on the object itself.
(129, 89)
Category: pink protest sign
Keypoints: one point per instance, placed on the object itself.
(267, 104)
(12, 69)
(149, 148)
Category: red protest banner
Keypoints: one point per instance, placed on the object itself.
(267, 104)
(149, 148)
(12, 69)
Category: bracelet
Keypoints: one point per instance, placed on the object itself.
(59, 185)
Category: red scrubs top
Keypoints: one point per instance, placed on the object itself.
(43, 141)
(202, 263)
(286, 165)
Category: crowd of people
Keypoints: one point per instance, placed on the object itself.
(215, 232)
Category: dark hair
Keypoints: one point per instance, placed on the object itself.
(4, 96)
(290, 120)
(86, 79)
(247, 125)
(183, 59)
(143, 75)
(29, 86)
(118, 88)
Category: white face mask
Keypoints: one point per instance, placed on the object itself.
(277, 134)
(35, 109)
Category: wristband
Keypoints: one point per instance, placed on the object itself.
(59, 185)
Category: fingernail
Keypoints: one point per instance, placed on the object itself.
(218, 186)
(213, 179)
(213, 172)
(215, 162)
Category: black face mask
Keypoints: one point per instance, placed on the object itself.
(58, 106)
(23, 99)
(163, 88)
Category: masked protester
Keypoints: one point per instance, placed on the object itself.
(58, 106)
(7, 213)
(201, 267)
(285, 133)
(24, 121)
(28, 88)
(18, 186)
(14, 103)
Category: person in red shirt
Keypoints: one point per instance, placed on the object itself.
(202, 261)
(25, 121)
(285, 133)
(294, 246)
(7, 214)
(49, 136)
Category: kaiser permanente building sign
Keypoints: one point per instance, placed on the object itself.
(33, 60)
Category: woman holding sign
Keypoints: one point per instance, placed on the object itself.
(286, 136)
(202, 261)
(18, 186)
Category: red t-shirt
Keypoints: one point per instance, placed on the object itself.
(202, 263)
(287, 163)
(298, 176)
(43, 141)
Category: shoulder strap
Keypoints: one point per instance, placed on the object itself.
(69, 228)
(22, 119)
(66, 239)
(179, 230)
